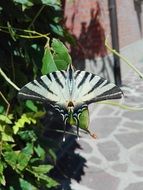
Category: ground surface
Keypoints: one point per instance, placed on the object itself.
(115, 159)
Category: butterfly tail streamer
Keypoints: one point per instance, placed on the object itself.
(77, 129)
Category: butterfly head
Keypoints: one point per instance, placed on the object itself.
(70, 107)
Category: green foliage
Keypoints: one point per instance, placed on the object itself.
(57, 60)
(23, 148)
(31, 106)
(61, 55)
(23, 158)
(48, 61)
(24, 27)
(25, 118)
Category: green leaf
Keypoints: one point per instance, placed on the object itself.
(50, 182)
(25, 3)
(40, 172)
(52, 154)
(60, 54)
(25, 185)
(7, 134)
(5, 119)
(1, 109)
(2, 180)
(11, 188)
(57, 29)
(40, 152)
(25, 118)
(18, 160)
(39, 114)
(24, 156)
(51, 2)
(27, 135)
(42, 169)
(2, 177)
(61, 64)
(48, 65)
(21, 1)
(30, 104)
(11, 158)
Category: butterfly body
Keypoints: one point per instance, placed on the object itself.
(70, 91)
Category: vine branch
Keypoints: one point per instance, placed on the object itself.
(123, 58)
(8, 80)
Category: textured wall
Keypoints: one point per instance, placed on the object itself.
(88, 21)
(80, 14)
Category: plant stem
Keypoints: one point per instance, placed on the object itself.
(36, 16)
(8, 104)
(8, 80)
(123, 58)
(123, 106)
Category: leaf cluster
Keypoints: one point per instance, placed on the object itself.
(24, 27)
(22, 154)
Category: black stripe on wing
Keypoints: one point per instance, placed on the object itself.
(83, 79)
(92, 76)
(38, 90)
(26, 93)
(63, 74)
(77, 73)
(49, 77)
(70, 72)
(98, 88)
(101, 80)
(57, 79)
(113, 93)
(41, 82)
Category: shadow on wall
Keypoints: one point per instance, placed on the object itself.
(90, 44)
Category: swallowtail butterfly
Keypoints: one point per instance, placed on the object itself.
(70, 91)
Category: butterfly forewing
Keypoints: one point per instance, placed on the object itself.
(92, 88)
(51, 88)
(78, 87)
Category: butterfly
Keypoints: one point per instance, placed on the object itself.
(70, 92)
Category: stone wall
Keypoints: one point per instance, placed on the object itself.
(88, 21)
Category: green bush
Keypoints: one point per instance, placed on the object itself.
(25, 27)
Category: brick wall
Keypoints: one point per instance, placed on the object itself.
(85, 15)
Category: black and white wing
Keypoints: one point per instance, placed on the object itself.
(91, 88)
(61, 87)
(51, 88)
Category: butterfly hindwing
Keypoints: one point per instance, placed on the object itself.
(69, 92)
